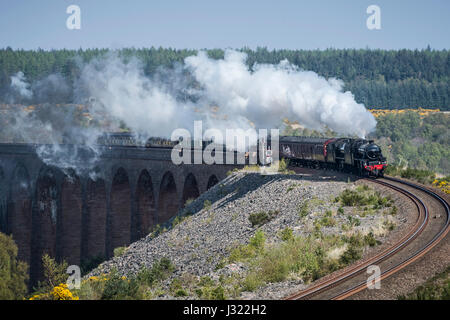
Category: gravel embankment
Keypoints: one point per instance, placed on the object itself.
(201, 241)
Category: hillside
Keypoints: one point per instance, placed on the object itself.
(253, 236)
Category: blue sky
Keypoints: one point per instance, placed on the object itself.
(225, 24)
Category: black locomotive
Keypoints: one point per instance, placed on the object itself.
(360, 156)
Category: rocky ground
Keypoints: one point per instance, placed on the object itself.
(219, 221)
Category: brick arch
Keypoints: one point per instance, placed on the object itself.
(71, 206)
(46, 220)
(190, 190)
(96, 212)
(120, 209)
(212, 181)
(19, 216)
(168, 199)
(145, 205)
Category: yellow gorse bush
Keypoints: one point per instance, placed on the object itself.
(442, 184)
(421, 111)
(103, 277)
(61, 292)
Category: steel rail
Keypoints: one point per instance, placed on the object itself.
(417, 254)
(359, 268)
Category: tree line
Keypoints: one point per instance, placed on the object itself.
(389, 79)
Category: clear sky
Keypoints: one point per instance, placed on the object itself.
(291, 24)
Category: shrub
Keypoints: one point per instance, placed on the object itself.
(286, 234)
(159, 271)
(119, 288)
(299, 256)
(258, 240)
(350, 198)
(436, 288)
(207, 205)
(220, 265)
(423, 176)
(119, 251)
(303, 210)
(175, 286)
(363, 196)
(394, 210)
(353, 253)
(61, 292)
(252, 281)
(260, 218)
(328, 221)
(210, 292)
(189, 201)
(181, 293)
(355, 240)
(177, 220)
(354, 222)
(13, 273)
(253, 248)
(54, 273)
(283, 164)
(389, 225)
(370, 239)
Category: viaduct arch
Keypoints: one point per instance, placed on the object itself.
(80, 216)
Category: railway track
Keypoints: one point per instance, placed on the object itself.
(420, 239)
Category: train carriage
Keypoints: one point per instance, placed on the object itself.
(346, 154)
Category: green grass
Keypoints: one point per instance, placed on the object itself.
(303, 209)
(252, 249)
(422, 176)
(113, 286)
(295, 257)
(363, 196)
(436, 288)
(328, 221)
(207, 205)
(286, 234)
(119, 251)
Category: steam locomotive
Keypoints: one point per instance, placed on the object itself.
(359, 156)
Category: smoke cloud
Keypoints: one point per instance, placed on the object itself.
(19, 86)
(270, 93)
(227, 95)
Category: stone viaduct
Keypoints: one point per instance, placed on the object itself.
(77, 217)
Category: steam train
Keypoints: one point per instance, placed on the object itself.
(359, 156)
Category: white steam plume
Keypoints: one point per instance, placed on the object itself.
(20, 86)
(260, 98)
(273, 92)
(123, 92)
